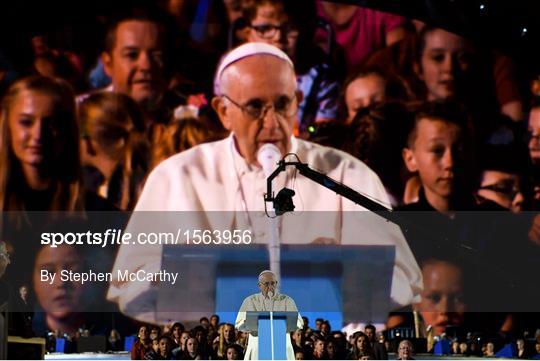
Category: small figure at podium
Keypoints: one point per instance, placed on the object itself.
(268, 304)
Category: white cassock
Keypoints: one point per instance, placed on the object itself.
(259, 303)
(213, 185)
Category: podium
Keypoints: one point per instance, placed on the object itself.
(355, 281)
(272, 329)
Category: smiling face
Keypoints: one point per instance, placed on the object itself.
(435, 155)
(135, 64)
(405, 350)
(442, 302)
(444, 63)
(254, 82)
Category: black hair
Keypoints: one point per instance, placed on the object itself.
(137, 14)
(370, 327)
(178, 324)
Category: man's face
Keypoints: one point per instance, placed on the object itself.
(325, 328)
(435, 155)
(442, 302)
(261, 81)
(267, 284)
(136, 62)
(266, 27)
(534, 131)
(369, 333)
(444, 63)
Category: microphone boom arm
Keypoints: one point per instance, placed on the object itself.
(329, 183)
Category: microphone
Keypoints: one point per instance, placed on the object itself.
(268, 156)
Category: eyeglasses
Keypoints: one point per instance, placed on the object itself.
(507, 188)
(267, 31)
(256, 109)
(266, 284)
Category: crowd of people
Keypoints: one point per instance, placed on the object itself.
(211, 339)
(444, 122)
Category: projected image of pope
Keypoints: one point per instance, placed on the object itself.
(269, 299)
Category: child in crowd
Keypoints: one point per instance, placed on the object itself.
(367, 86)
(362, 89)
(180, 135)
(268, 22)
(442, 303)
(501, 178)
(40, 153)
(436, 151)
(114, 149)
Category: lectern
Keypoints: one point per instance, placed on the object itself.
(272, 329)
